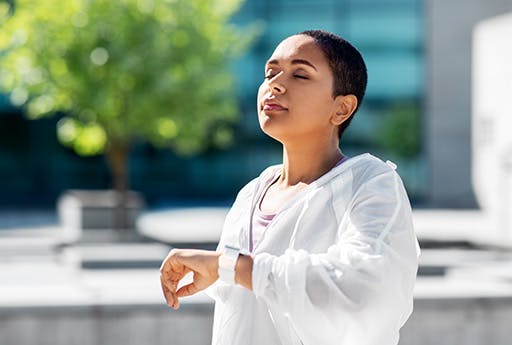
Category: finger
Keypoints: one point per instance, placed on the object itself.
(170, 297)
(187, 290)
(174, 278)
(166, 262)
(166, 266)
(162, 265)
(174, 270)
(171, 285)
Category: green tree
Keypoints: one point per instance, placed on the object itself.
(156, 70)
(400, 130)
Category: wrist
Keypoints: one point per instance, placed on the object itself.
(243, 271)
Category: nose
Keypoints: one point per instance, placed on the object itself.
(276, 85)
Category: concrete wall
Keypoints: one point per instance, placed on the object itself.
(106, 325)
(459, 321)
(453, 321)
(447, 124)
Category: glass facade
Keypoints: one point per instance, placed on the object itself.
(35, 169)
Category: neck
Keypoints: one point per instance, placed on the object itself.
(307, 161)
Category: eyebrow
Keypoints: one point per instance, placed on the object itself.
(294, 62)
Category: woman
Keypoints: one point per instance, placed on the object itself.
(319, 249)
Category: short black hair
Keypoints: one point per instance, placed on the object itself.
(347, 65)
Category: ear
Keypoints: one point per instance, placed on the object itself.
(345, 105)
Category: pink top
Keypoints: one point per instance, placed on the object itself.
(261, 221)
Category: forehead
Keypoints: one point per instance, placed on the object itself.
(299, 47)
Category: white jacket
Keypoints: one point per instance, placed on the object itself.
(337, 265)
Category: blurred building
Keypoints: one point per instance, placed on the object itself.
(447, 117)
(416, 112)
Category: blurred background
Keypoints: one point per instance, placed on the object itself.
(127, 128)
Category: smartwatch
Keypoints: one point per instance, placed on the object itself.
(227, 263)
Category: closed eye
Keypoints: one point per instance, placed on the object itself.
(299, 76)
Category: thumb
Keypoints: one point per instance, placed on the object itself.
(187, 290)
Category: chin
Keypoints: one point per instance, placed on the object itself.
(274, 127)
(272, 132)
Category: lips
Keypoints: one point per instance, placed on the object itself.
(272, 105)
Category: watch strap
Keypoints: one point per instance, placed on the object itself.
(227, 264)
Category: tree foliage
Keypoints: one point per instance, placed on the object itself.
(400, 130)
(118, 70)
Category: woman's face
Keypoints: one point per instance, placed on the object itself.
(295, 99)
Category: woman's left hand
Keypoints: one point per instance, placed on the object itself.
(203, 263)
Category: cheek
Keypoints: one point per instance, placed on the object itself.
(319, 99)
(261, 93)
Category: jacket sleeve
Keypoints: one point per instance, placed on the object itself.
(361, 290)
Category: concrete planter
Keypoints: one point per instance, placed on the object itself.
(94, 216)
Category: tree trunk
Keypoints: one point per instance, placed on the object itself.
(117, 158)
